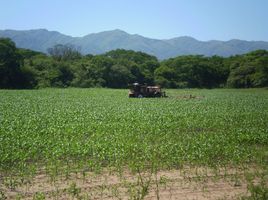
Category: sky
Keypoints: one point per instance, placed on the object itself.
(160, 19)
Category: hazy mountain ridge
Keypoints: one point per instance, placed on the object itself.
(97, 43)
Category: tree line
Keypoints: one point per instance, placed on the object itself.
(64, 66)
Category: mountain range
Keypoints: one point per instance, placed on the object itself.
(98, 43)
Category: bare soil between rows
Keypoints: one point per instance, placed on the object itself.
(191, 183)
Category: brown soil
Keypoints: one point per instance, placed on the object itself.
(191, 183)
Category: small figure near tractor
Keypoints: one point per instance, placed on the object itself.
(142, 90)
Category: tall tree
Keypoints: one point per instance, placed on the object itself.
(62, 52)
(10, 61)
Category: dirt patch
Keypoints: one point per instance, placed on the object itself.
(191, 183)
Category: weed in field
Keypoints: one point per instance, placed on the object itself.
(39, 196)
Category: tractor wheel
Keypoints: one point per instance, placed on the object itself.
(157, 94)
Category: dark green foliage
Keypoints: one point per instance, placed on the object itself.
(166, 76)
(27, 53)
(137, 66)
(118, 76)
(90, 71)
(250, 71)
(42, 71)
(132, 56)
(192, 71)
(10, 62)
(114, 69)
(22, 68)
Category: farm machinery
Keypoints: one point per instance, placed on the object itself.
(142, 90)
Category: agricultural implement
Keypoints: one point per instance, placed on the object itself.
(142, 90)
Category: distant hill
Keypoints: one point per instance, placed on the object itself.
(97, 43)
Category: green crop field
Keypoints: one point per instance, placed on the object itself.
(95, 129)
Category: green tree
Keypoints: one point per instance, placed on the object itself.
(62, 52)
(249, 70)
(192, 71)
(165, 76)
(140, 65)
(10, 62)
(119, 76)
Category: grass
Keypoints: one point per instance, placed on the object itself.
(93, 129)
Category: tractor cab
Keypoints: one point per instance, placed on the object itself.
(142, 90)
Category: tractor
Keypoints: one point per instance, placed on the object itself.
(142, 90)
